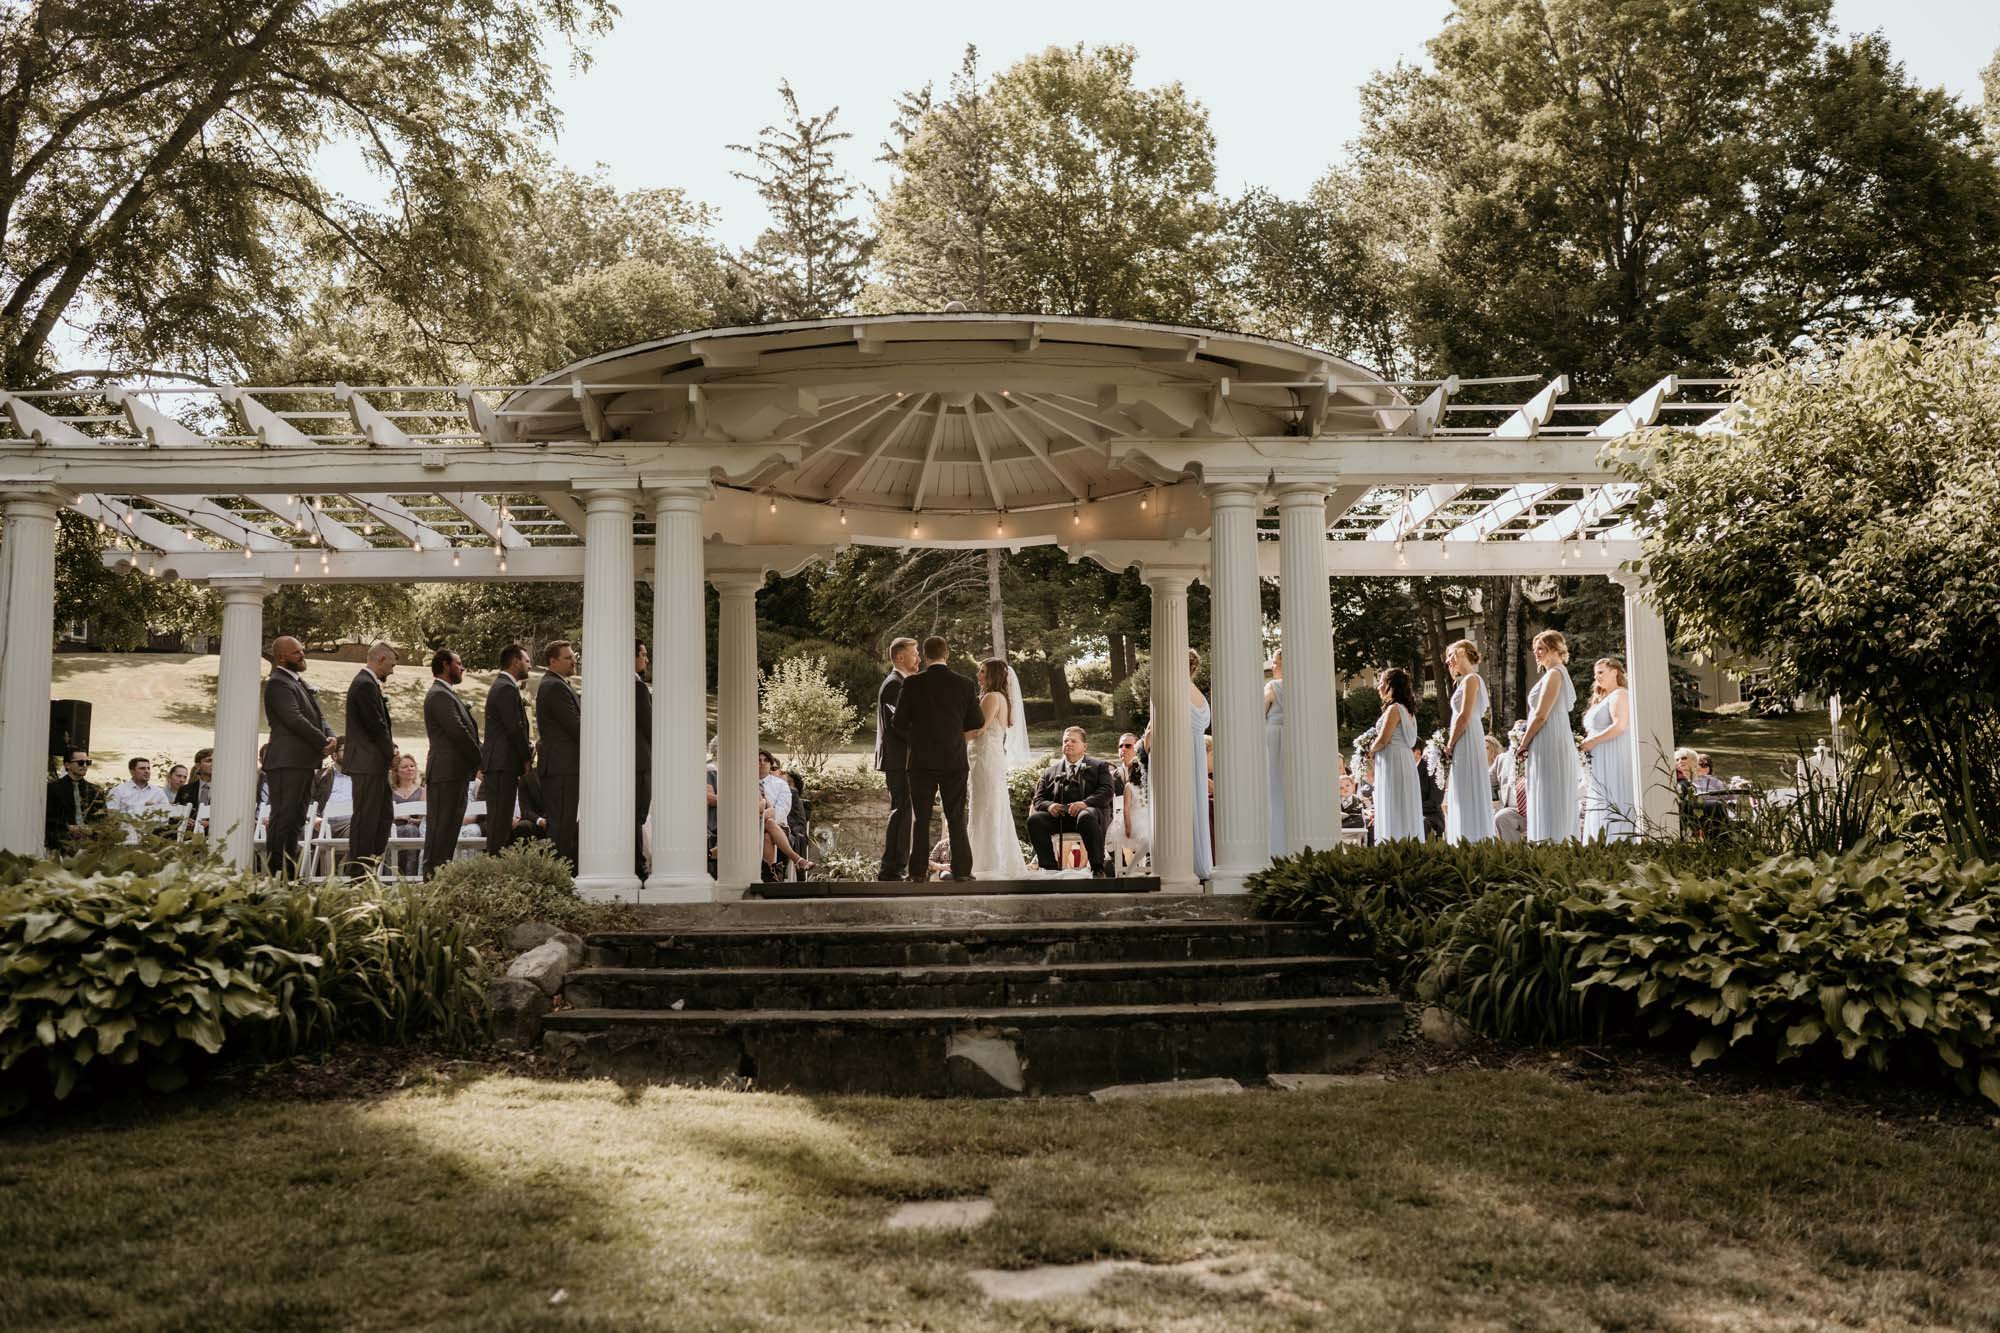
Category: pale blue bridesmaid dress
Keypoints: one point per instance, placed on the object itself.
(1610, 806)
(1468, 798)
(1552, 766)
(1274, 759)
(1399, 806)
(1204, 847)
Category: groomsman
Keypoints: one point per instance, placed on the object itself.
(371, 742)
(508, 750)
(454, 760)
(892, 759)
(642, 712)
(300, 739)
(559, 719)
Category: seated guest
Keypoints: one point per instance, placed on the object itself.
(711, 808)
(1684, 765)
(940, 858)
(1073, 796)
(1430, 795)
(136, 794)
(531, 817)
(263, 778)
(194, 791)
(1704, 775)
(774, 808)
(1510, 823)
(1353, 814)
(406, 806)
(333, 792)
(1131, 817)
(798, 823)
(74, 803)
(177, 777)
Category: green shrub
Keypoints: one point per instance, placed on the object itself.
(810, 715)
(1504, 964)
(857, 673)
(1879, 954)
(1132, 700)
(1095, 676)
(837, 781)
(1082, 708)
(490, 895)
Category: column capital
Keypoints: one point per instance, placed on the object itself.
(31, 499)
(1230, 488)
(1295, 493)
(241, 587)
(1631, 580)
(609, 497)
(677, 495)
(736, 581)
(1171, 578)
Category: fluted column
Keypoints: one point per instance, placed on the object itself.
(1236, 655)
(1646, 667)
(239, 713)
(680, 674)
(739, 847)
(1172, 767)
(30, 541)
(1312, 733)
(606, 823)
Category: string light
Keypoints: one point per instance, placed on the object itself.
(246, 553)
(843, 518)
(416, 544)
(1075, 515)
(503, 564)
(368, 529)
(774, 504)
(916, 528)
(319, 504)
(152, 568)
(295, 564)
(454, 557)
(1145, 499)
(1006, 393)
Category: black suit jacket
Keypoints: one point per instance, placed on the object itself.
(453, 735)
(507, 743)
(642, 713)
(559, 717)
(891, 751)
(934, 710)
(66, 794)
(369, 737)
(1089, 782)
(298, 729)
(193, 797)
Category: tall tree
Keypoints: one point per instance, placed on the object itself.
(809, 263)
(1064, 188)
(158, 179)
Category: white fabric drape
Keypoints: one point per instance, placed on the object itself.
(1017, 723)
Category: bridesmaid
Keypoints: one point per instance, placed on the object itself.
(1399, 808)
(1610, 810)
(1550, 745)
(1468, 806)
(1274, 749)
(1204, 842)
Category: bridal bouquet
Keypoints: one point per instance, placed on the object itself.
(1363, 766)
(1437, 756)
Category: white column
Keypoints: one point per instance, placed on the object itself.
(1312, 734)
(680, 678)
(607, 829)
(30, 518)
(1652, 707)
(1236, 654)
(239, 716)
(738, 849)
(1172, 760)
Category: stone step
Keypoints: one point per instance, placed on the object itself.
(973, 1051)
(941, 910)
(986, 986)
(979, 888)
(924, 945)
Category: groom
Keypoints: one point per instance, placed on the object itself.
(937, 710)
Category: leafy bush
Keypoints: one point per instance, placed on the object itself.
(1880, 954)
(490, 895)
(1132, 700)
(808, 714)
(146, 968)
(1504, 964)
(1082, 708)
(1094, 676)
(858, 674)
(837, 781)
(1021, 788)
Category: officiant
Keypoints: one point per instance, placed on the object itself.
(1074, 796)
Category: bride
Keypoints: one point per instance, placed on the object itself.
(996, 847)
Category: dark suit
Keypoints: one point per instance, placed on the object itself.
(892, 760)
(642, 712)
(559, 718)
(505, 757)
(1089, 781)
(934, 710)
(454, 762)
(370, 741)
(298, 743)
(70, 802)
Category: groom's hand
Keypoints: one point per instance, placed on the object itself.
(1078, 807)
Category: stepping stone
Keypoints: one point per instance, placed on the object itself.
(941, 1215)
(1187, 1087)
(1320, 1082)
(1048, 1282)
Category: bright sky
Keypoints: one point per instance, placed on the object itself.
(675, 83)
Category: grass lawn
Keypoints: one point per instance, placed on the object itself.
(1763, 749)
(1471, 1199)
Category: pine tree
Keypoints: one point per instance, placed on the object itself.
(809, 263)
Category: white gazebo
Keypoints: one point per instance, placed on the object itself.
(725, 455)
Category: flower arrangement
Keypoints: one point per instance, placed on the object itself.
(1437, 756)
(1363, 766)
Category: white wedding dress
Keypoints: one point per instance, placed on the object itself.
(989, 816)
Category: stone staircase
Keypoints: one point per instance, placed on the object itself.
(921, 1007)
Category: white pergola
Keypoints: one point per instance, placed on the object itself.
(724, 455)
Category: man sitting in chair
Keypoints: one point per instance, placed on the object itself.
(1074, 796)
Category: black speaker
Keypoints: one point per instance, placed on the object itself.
(69, 726)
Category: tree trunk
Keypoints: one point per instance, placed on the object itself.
(995, 612)
(1116, 639)
(1059, 690)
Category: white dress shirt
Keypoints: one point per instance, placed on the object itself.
(129, 798)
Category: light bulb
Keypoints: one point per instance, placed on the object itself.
(101, 529)
(368, 529)
(291, 500)
(246, 553)
(999, 527)
(503, 564)
(774, 504)
(843, 518)
(1143, 502)
(416, 545)
(295, 564)
(915, 528)
(1006, 393)
(152, 569)
(1075, 515)
(454, 557)
(318, 504)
